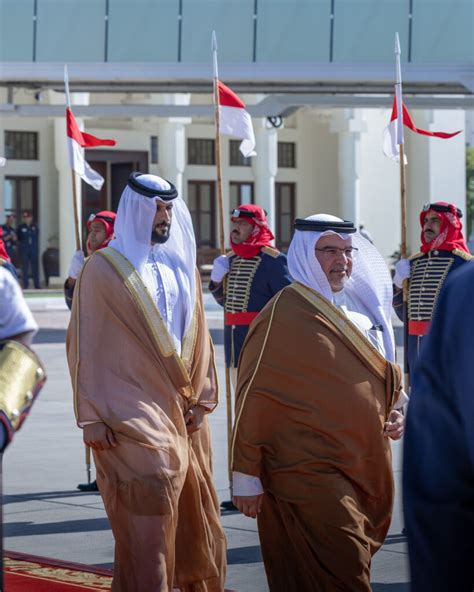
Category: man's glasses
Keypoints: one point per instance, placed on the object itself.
(333, 252)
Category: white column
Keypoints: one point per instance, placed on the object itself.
(172, 152)
(172, 143)
(265, 167)
(67, 235)
(348, 124)
(436, 169)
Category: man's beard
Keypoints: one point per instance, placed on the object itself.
(157, 238)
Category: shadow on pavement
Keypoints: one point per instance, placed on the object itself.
(50, 336)
(240, 555)
(45, 495)
(391, 587)
(217, 336)
(394, 539)
(13, 529)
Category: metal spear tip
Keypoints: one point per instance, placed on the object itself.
(397, 44)
(214, 41)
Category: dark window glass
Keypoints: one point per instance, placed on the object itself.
(201, 204)
(154, 149)
(285, 202)
(21, 145)
(236, 158)
(240, 193)
(287, 155)
(201, 151)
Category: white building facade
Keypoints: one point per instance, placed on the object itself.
(318, 121)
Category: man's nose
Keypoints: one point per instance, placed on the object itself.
(341, 254)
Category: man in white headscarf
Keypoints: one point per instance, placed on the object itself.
(315, 403)
(144, 380)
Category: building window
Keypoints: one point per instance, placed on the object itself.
(154, 149)
(21, 145)
(287, 155)
(236, 158)
(202, 206)
(285, 202)
(201, 151)
(240, 193)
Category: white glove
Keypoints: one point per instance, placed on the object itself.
(220, 268)
(402, 272)
(76, 264)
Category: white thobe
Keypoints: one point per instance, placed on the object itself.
(167, 288)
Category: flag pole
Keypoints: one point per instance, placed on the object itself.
(403, 198)
(220, 205)
(73, 174)
(87, 450)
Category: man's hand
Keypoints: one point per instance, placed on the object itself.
(99, 436)
(220, 268)
(402, 272)
(194, 418)
(395, 425)
(249, 505)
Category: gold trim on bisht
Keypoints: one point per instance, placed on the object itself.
(21, 378)
(142, 298)
(345, 326)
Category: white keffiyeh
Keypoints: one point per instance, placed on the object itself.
(175, 296)
(369, 289)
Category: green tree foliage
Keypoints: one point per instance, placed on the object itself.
(469, 191)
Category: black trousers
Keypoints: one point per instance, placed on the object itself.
(30, 258)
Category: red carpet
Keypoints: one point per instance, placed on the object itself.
(29, 573)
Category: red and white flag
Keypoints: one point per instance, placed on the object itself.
(77, 141)
(235, 119)
(391, 140)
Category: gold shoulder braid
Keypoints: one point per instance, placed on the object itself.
(366, 351)
(463, 254)
(270, 251)
(21, 378)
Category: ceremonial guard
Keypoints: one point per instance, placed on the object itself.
(28, 235)
(244, 280)
(21, 372)
(5, 260)
(100, 227)
(101, 231)
(443, 249)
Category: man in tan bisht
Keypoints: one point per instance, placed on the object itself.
(144, 380)
(315, 403)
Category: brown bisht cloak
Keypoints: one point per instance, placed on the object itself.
(157, 482)
(312, 398)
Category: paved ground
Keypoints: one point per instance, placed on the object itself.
(46, 515)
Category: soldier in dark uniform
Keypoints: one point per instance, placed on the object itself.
(5, 260)
(28, 235)
(9, 237)
(101, 231)
(443, 250)
(244, 280)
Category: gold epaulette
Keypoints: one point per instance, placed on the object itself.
(463, 254)
(416, 255)
(230, 253)
(270, 251)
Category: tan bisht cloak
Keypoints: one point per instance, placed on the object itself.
(157, 483)
(312, 399)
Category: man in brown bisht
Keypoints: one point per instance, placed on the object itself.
(144, 380)
(315, 403)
